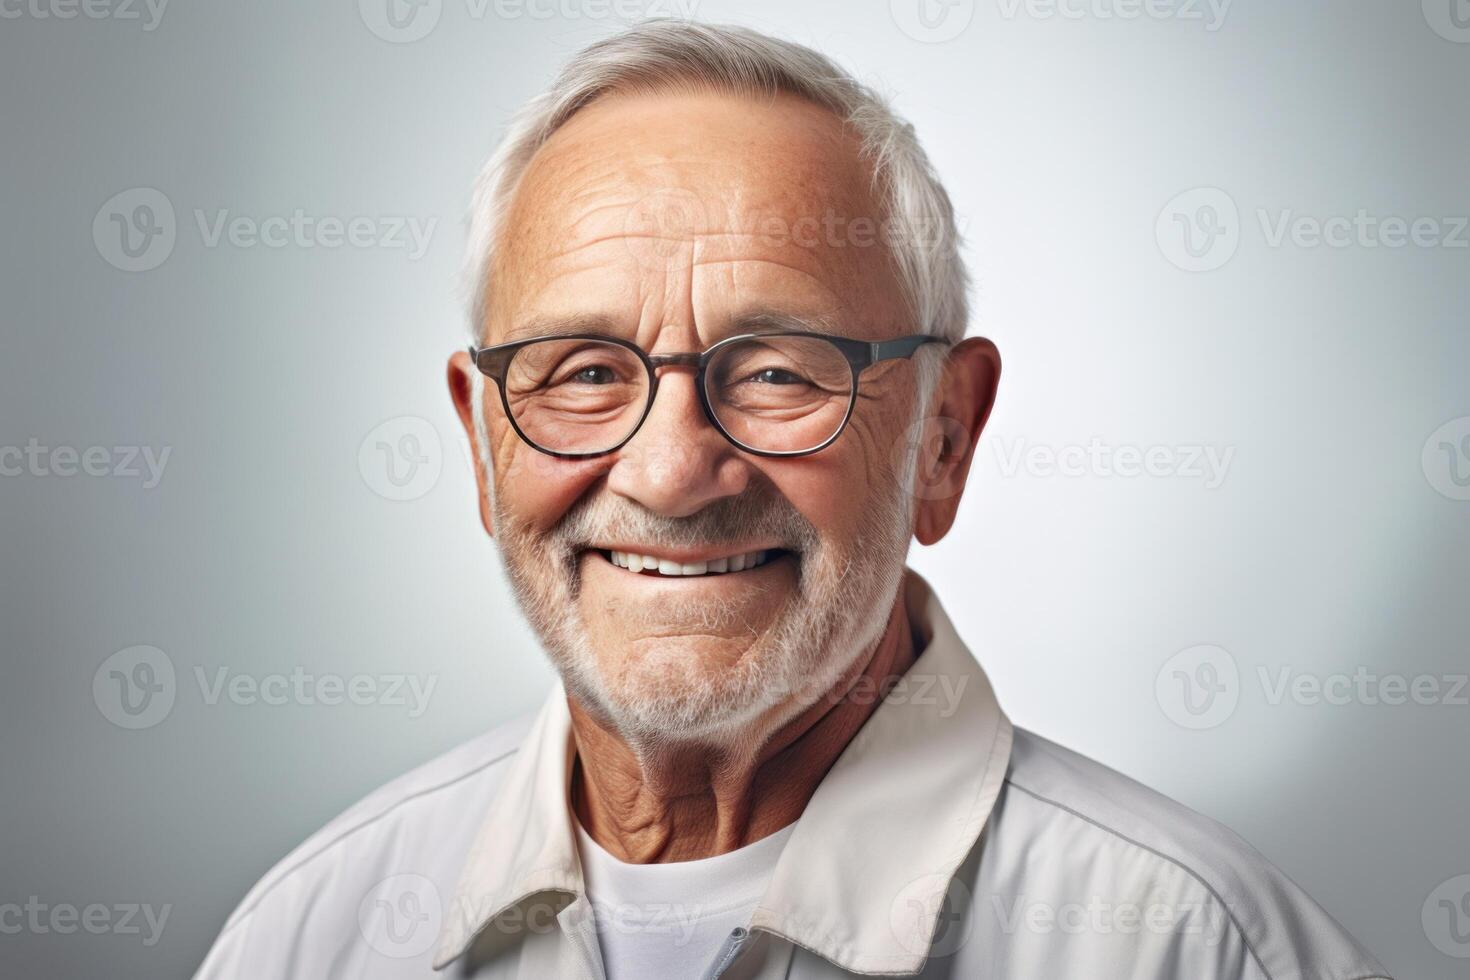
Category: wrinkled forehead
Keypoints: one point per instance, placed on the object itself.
(646, 205)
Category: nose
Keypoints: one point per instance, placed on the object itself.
(678, 463)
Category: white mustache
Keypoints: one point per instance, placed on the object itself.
(730, 521)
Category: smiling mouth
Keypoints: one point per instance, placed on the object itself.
(665, 567)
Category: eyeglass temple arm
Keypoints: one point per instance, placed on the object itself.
(491, 361)
(887, 350)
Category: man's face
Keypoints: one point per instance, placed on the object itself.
(672, 220)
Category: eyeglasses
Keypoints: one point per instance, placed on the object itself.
(772, 394)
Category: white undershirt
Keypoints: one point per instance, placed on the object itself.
(669, 920)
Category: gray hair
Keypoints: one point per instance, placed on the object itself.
(668, 54)
(919, 221)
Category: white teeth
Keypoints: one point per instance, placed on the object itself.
(665, 566)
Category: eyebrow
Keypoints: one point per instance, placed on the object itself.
(776, 321)
(751, 321)
(544, 326)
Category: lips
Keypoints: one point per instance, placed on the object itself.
(667, 567)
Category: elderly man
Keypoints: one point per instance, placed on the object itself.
(719, 381)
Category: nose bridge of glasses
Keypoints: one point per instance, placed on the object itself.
(681, 359)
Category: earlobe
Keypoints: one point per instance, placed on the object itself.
(463, 391)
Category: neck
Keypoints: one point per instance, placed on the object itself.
(686, 802)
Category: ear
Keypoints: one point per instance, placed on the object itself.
(462, 373)
(957, 413)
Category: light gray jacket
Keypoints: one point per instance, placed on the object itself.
(943, 843)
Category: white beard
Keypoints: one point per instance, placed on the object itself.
(835, 617)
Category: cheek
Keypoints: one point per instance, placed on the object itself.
(829, 489)
(533, 487)
(840, 489)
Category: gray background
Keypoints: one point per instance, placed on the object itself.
(1329, 547)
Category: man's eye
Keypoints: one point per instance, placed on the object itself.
(594, 374)
(776, 376)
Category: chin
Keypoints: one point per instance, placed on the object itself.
(687, 688)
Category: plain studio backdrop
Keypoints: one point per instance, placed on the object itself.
(1216, 535)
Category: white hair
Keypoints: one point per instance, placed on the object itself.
(672, 54)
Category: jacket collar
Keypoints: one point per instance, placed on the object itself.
(863, 879)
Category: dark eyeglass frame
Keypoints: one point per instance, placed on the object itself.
(494, 362)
